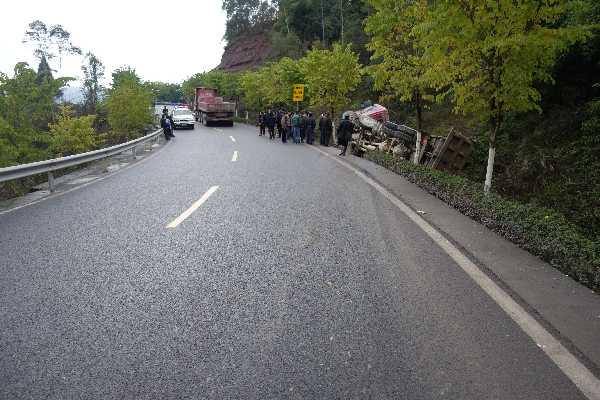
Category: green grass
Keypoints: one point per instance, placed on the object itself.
(531, 226)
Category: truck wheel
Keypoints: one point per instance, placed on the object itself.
(396, 134)
(409, 131)
(366, 122)
(391, 125)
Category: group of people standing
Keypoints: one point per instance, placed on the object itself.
(166, 123)
(298, 126)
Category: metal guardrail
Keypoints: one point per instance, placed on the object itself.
(39, 167)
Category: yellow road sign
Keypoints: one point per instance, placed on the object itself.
(298, 92)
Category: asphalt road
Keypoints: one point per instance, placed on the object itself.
(294, 279)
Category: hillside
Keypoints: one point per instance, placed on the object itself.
(248, 52)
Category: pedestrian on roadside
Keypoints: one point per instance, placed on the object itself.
(321, 128)
(284, 125)
(261, 123)
(278, 122)
(165, 110)
(170, 117)
(290, 127)
(270, 124)
(303, 127)
(297, 124)
(310, 128)
(344, 133)
(165, 124)
(326, 131)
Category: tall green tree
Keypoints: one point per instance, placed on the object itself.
(189, 85)
(93, 72)
(398, 48)
(128, 103)
(51, 42)
(489, 54)
(24, 106)
(331, 76)
(253, 89)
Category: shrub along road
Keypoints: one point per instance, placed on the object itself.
(296, 277)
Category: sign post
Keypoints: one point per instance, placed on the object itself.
(298, 95)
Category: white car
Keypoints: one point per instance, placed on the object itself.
(183, 117)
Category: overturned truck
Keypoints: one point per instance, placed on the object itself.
(443, 153)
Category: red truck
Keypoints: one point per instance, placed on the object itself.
(210, 108)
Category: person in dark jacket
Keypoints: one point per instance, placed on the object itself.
(344, 134)
(303, 127)
(310, 128)
(172, 123)
(321, 128)
(278, 122)
(261, 123)
(326, 130)
(290, 127)
(165, 124)
(270, 123)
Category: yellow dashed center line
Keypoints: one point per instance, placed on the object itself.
(232, 139)
(234, 156)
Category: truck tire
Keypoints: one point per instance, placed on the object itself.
(409, 131)
(366, 122)
(396, 134)
(391, 125)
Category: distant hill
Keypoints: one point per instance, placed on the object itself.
(73, 94)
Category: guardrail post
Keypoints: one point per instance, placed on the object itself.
(105, 164)
(51, 181)
(133, 153)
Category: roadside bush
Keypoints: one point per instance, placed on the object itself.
(537, 229)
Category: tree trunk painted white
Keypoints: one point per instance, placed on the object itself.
(490, 170)
(418, 151)
(246, 114)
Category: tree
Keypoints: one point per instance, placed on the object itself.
(50, 43)
(44, 71)
(24, 105)
(74, 135)
(189, 86)
(246, 16)
(253, 90)
(399, 48)
(169, 92)
(489, 54)
(331, 76)
(93, 71)
(128, 102)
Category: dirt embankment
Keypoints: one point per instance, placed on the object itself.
(246, 53)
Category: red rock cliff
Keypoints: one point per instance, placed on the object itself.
(246, 53)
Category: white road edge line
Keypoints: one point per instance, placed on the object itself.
(232, 139)
(192, 208)
(234, 156)
(575, 370)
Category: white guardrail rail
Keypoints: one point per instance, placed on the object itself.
(39, 167)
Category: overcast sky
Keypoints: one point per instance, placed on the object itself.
(163, 41)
